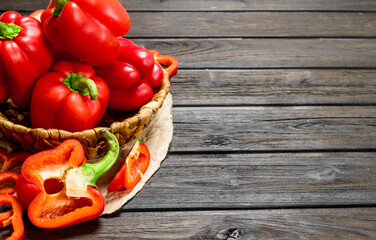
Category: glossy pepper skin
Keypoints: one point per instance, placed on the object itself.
(25, 55)
(87, 29)
(14, 216)
(134, 166)
(26, 191)
(131, 77)
(69, 97)
(68, 194)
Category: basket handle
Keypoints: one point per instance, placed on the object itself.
(166, 60)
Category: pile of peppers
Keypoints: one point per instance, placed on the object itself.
(68, 64)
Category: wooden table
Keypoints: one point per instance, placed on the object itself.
(274, 122)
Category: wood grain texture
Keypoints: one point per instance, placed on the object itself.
(263, 87)
(217, 225)
(273, 128)
(252, 24)
(210, 181)
(251, 5)
(218, 5)
(267, 53)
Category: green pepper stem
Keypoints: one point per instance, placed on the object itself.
(81, 85)
(59, 5)
(93, 171)
(9, 30)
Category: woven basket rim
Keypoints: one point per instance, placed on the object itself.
(143, 116)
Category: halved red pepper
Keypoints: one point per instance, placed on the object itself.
(68, 193)
(13, 216)
(87, 29)
(133, 168)
(23, 49)
(70, 97)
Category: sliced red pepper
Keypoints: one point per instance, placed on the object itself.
(87, 29)
(166, 60)
(67, 183)
(133, 168)
(15, 216)
(10, 160)
(9, 176)
(5, 177)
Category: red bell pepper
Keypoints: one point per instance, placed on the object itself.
(66, 182)
(87, 29)
(134, 166)
(131, 77)
(26, 191)
(70, 97)
(24, 49)
(13, 216)
(137, 56)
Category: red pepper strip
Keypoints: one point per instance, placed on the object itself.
(154, 52)
(10, 160)
(67, 183)
(6, 218)
(9, 176)
(166, 60)
(171, 62)
(16, 218)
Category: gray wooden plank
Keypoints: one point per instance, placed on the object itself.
(279, 180)
(252, 24)
(218, 5)
(267, 52)
(216, 225)
(261, 87)
(273, 128)
(251, 5)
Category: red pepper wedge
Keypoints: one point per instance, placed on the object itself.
(13, 216)
(87, 29)
(70, 97)
(134, 166)
(68, 193)
(10, 160)
(23, 48)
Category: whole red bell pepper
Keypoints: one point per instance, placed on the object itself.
(131, 77)
(68, 194)
(70, 97)
(25, 56)
(133, 168)
(87, 29)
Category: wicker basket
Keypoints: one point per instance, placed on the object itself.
(15, 125)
